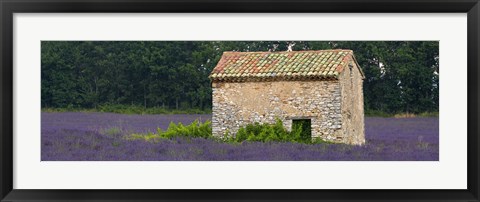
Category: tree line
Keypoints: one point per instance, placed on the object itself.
(401, 76)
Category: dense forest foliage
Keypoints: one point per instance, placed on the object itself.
(401, 77)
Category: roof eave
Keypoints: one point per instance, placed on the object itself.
(358, 66)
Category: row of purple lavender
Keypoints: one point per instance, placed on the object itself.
(75, 136)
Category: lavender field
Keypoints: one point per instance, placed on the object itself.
(76, 136)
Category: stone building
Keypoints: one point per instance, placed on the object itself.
(324, 88)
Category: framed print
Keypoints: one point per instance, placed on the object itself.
(212, 100)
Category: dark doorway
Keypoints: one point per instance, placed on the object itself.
(304, 128)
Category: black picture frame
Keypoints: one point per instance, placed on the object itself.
(9, 7)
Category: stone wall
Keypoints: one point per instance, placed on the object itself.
(237, 104)
(351, 84)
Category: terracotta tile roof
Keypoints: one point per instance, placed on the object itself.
(294, 65)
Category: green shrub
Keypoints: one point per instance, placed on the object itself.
(251, 132)
(272, 133)
(195, 130)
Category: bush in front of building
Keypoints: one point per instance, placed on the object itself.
(272, 133)
(256, 132)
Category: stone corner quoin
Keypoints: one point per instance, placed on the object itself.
(323, 86)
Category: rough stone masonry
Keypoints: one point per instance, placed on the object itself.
(324, 86)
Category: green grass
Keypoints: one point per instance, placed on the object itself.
(429, 114)
(130, 109)
(376, 113)
(112, 131)
(135, 109)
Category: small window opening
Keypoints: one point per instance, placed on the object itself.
(303, 127)
(351, 69)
